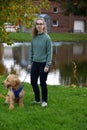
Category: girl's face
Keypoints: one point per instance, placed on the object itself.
(39, 25)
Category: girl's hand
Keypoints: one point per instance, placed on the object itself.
(46, 69)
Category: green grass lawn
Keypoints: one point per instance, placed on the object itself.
(67, 110)
(26, 37)
(68, 37)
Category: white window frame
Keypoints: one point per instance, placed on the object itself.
(55, 25)
(55, 10)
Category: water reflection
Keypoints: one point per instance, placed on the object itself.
(68, 65)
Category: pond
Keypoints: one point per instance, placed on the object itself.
(69, 63)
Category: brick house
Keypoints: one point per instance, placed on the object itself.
(61, 23)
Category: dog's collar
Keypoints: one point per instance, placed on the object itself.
(16, 92)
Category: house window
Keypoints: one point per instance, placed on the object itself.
(55, 23)
(55, 10)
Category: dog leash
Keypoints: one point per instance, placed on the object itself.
(28, 71)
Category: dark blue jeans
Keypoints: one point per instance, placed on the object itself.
(37, 71)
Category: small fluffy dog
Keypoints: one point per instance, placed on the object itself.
(15, 91)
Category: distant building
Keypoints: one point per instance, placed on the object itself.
(61, 23)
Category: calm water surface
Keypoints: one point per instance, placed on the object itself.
(69, 63)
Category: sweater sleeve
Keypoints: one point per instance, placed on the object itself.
(49, 52)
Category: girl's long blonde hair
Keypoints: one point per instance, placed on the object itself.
(34, 31)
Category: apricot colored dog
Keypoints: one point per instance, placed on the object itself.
(15, 91)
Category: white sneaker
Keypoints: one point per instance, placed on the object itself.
(44, 104)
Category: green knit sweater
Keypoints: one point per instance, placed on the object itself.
(41, 49)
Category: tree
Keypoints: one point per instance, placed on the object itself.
(76, 7)
(19, 12)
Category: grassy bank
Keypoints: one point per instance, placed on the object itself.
(26, 37)
(67, 110)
